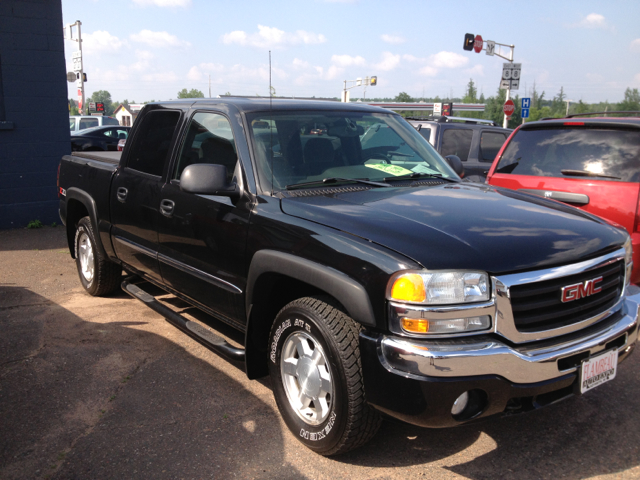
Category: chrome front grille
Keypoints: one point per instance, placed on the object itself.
(539, 306)
(529, 306)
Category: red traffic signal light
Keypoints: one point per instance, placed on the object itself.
(469, 39)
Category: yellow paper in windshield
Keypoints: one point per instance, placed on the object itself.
(394, 170)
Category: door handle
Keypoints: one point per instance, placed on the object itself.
(122, 194)
(166, 207)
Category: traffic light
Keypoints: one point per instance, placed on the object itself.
(469, 38)
(374, 81)
(84, 76)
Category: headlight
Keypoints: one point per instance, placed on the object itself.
(439, 288)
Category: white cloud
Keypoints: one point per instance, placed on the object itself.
(594, 77)
(164, 3)
(347, 60)
(101, 41)
(635, 45)
(475, 70)
(448, 60)
(143, 63)
(297, 63)
(389, 62)
(637, 78)
(159, 39)
(201, 72)
(393, 39)
(160, 77)
(272, 37)
(428, 71)
(411, 58)
(593, 20)
(334, 72)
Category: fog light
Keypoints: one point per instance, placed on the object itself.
(460, 404)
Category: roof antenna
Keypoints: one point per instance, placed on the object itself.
(271, 125)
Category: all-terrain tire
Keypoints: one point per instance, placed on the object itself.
(99, 276)
(314, 352)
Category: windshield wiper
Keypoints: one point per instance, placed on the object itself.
(366, 181)
(584, 173)
(418, 175)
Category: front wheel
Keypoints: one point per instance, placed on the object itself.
(98, 275)
(317, 377)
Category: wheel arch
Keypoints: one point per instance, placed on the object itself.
(79, 205)
(277, 278)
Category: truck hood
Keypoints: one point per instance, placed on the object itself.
(463, 226)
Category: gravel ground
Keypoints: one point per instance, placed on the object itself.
(104, 388)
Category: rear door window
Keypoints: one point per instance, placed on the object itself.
(151, 146)
(88, 123)
(606, 154)
(490, 143)
(456, 141)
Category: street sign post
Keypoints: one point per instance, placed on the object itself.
(511, 76)
(508, 108)
(478, 44)
(490, 47)
(525, 105)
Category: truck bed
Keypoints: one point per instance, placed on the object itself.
(109, 157)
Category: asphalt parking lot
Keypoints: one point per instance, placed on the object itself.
(104, 388)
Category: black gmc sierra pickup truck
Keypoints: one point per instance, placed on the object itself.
(365, 277)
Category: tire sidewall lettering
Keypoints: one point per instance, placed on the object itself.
(309, 434)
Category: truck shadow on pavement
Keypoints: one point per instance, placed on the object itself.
(104, 388)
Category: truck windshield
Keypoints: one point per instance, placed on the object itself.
(298, 147)
(611, 154)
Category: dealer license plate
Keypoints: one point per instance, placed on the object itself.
(598, 370)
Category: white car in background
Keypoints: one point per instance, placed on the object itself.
(80, 122)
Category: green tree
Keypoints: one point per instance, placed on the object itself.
(631, 101)
(403, 97)
(471, 95)
(193, 93)
(581, 107)
(73, 107)
(103, 96)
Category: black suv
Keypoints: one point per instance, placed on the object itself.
(475, 141)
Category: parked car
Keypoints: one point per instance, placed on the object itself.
(80, 122)
(475, 141)
(362, 274)
(98, 139)
(589, 161)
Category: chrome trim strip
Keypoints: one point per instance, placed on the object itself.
(504, 321)
(442, 312)
(218, 282)
(137, 247)
(487, 356)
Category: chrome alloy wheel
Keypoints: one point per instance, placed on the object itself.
(306, 378)
(85, 255)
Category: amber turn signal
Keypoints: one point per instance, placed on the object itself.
(409, 288)
(415, 325)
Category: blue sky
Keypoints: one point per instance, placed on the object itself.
(150, 49)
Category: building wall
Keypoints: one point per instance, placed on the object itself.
(34, 129)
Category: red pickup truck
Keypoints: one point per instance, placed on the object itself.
(590, 163)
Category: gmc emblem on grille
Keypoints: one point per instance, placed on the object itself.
(581, 290)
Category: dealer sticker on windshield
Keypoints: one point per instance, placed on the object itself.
(394, 170)
(598, 370)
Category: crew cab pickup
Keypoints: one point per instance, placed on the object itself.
(365, 277)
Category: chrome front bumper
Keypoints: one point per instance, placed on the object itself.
(524, 363)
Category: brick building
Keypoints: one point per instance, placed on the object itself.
(34, 131)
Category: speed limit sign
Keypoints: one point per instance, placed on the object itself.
(511, 76)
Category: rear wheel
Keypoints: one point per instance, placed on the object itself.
(98, 275)
(317, 378)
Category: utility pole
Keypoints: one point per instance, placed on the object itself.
(78, 65)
